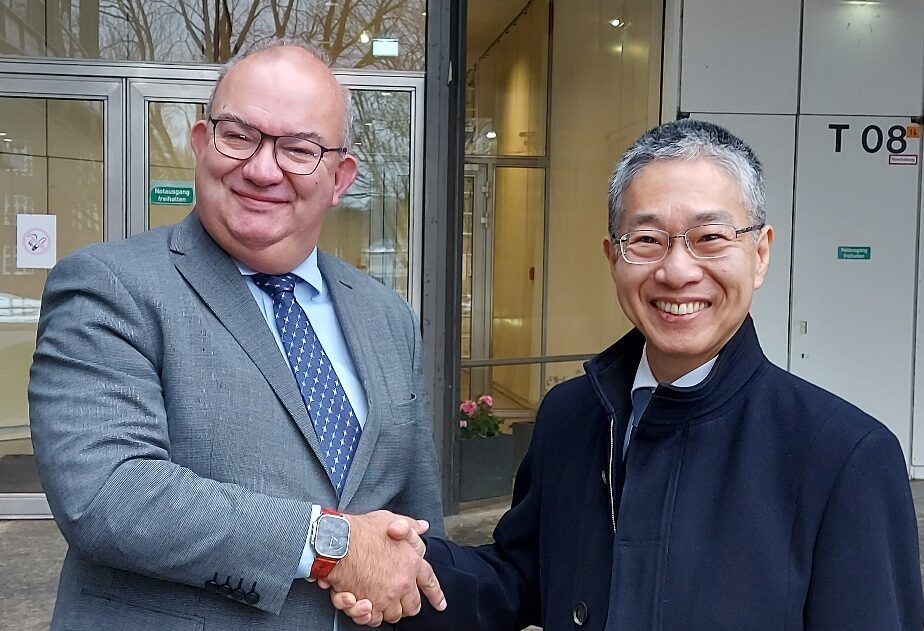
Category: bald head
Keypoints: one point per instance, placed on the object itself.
(295, 53)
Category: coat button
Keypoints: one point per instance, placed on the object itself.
(251, 598)
(579, 614)
(603, 477)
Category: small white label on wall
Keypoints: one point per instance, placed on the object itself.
(36, 241)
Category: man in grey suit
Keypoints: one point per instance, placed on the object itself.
(216, 406)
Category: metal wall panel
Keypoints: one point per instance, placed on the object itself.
(740, 56)
(773, 138)
(863, 57)
(855, 244)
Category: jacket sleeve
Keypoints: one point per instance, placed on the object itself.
(102, 446)
(493, 586)
(866, 570)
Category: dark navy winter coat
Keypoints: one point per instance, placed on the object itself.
(754, 501)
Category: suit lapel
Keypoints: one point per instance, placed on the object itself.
(213, 275)
(357, 321)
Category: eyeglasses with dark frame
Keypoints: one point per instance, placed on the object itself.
(293, 154)
(708, 241)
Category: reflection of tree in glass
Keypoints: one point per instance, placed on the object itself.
(215, 30)
(381, 144)
(168, 130)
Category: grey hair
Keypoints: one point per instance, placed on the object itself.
(690, 139)
(349, 114)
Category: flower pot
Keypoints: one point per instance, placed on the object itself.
(486, 467)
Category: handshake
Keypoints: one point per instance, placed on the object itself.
(383, 574)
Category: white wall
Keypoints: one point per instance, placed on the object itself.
(778, 74)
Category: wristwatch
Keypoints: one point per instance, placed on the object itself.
(330, 540)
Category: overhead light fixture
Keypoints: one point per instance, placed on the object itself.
(2, 133)
(7, 140)
(491, 134)
(616, 23)
(364, 37)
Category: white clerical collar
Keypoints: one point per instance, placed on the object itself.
(645, 379)
(307, 270)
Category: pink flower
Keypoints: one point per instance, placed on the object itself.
(487, 399)
(463, 423)
(468, 407)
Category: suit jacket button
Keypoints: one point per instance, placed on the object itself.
(579, 614)
(211, 585)
(251, 598)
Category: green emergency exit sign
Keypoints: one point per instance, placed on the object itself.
(854, 252)
(171, 193)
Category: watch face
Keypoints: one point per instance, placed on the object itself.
(332, 537)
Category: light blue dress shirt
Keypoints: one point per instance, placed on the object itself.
(314, 298)
(644, 378)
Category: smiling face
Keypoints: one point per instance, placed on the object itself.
(687, 308)
(265, 217)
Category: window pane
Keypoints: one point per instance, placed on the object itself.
(507, 78)
(51, 162)
(370, 227)
(605, 93)
(171, 162)
(376, 34)
(516, 294)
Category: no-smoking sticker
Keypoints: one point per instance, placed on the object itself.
(36, 241)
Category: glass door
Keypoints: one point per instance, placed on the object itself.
(60, 191)
(161, 161)
(376, 226)
(89, 155)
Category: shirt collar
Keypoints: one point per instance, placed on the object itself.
(644, 378)
(307, 270)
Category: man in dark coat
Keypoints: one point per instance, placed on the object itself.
(685, 482)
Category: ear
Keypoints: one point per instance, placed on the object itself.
(343, 177)
(763, 256)
(199, 137)
(611, 252)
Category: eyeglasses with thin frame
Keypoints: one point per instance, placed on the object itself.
(294, 154)
(708, 241)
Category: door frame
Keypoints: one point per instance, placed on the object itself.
(482, 264)
(110, 93)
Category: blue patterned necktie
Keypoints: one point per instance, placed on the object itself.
(334, 421)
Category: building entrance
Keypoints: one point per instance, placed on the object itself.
(94, 152)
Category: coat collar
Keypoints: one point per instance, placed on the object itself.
(613, 371)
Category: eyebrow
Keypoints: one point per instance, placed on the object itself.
(306, 135)
(706, 216)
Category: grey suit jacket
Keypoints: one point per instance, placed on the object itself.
(174, 446)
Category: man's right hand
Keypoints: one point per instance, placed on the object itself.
(384, 569)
